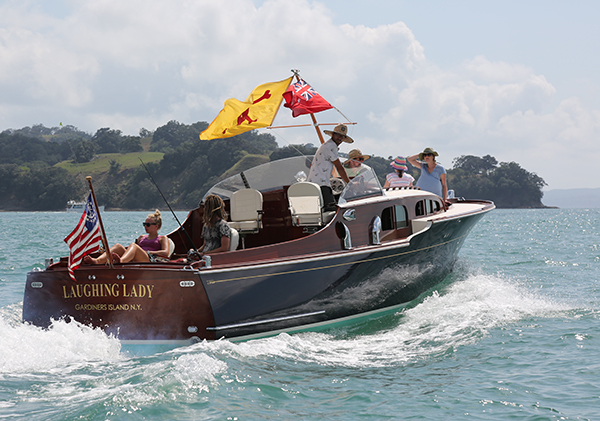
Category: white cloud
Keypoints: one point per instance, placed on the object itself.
(126, 65)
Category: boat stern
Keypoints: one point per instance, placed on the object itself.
(134, 303)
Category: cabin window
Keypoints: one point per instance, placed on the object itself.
(401, 217)
(387, 219)
(436, 206)
(420, 208)
(429, 206)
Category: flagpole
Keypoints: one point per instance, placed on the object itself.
(306, 125)
(314, 120)
(312, 116)
(104, 239)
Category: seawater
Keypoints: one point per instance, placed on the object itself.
(512, 333)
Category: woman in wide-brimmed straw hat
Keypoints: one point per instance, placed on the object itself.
(354, 162)
(357, 155)
(433, 175)
(398, 178)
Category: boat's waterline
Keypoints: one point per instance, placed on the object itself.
(312, 327)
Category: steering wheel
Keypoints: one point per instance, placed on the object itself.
(337, 185)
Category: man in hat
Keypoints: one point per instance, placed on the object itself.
(325, 159)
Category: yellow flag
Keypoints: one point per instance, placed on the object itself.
(258, 110)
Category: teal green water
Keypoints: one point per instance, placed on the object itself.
(513, 333)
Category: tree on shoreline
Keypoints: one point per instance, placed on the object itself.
(506, 184)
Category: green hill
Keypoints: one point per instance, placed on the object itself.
(102, 162)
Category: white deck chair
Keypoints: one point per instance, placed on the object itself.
(171, 247)
(246, 212)
(306, 203)
(234, 240)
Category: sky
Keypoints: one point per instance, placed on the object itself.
(518, 80)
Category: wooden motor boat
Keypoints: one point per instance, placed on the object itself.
(294, 266)
(79, 207)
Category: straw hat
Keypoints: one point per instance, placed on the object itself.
(356, 153)
(340, 129)
(399, 163)
(427, 151)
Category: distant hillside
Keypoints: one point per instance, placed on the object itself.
(572, 198)
(42, 168)
(102, 162)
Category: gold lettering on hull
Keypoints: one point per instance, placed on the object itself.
(138, 291)
(109, 307)
(107, 290)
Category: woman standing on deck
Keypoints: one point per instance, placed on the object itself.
(433, 175)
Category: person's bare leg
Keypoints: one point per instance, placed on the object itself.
(134, 253)
(116, 249)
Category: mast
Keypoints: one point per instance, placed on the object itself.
(104, 239)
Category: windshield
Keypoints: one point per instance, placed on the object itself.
(284, 172)
(364, 184)
(270, 176)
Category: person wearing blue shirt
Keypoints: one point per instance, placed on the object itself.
(433, 175)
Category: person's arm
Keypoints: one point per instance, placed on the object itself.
(225, 238)
(413, 161)
(164, 244)
(225, 241)
(164, 247)
(340, 169)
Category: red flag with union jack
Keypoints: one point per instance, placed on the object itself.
(85, 238)
(301, 98)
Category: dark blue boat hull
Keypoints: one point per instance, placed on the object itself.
(322, 289)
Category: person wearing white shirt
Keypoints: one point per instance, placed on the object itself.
(325, 159)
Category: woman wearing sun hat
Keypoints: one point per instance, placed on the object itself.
(398, 178)
(433, 175)
(357, 156)
(354, 161)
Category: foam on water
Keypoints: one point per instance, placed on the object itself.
(83, 367)
(462, 313)
(25, 348)
(456, 315)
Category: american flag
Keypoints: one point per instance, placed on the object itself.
(85, 238)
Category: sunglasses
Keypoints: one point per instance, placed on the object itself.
(361, 159)
(147, 224)
(427, 154)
